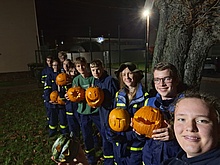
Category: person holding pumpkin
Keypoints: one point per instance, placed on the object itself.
(87, 114)
(197, 129)
(109, 86)
(163, 145)
(71, 107)
(49, 87)
(56, 111)
(130, 97)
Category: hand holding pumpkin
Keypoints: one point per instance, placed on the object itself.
(163, 134)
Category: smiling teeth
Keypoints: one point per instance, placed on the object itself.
(191, 137)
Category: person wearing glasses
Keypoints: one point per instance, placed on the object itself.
(163, 144)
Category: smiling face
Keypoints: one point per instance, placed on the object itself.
(196, 126)
(165, 84)
(128, 78)
(66, 65)
(81, 67)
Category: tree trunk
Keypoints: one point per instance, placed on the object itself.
(187, 30)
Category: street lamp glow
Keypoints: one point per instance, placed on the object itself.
(146, 16)
(146, 13)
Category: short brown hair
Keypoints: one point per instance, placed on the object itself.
(80, 60)
(96, 63)
(166, 65)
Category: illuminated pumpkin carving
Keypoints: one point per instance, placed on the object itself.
(94, 96)
(54, 96)
(76, 94)
(62, 79)
(146, 119)
(119, 120)
(60, 101)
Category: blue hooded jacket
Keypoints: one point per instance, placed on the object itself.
(155, 151)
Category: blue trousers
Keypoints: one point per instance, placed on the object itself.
(107, 146)
(86, 122)
(57, 116)
(73, 118)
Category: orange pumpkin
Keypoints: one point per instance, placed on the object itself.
(60, 101)
(62, 79)
(54, 96)
(94, 96)
(76, 94)
(119, 120)
(146, 119)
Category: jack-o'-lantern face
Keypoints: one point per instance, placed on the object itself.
(119, 120)
(94, 96)
(54, 96)
(146, 119)
(62, 79)
(76, 94)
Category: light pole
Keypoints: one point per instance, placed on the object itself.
(146, 15)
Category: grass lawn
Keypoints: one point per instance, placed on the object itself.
(24, 139)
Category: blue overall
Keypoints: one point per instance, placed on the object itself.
(57, 112)
(154, 151)
(45, 73)
(127, 147)
(62, 111)
(73, 118)
(110, 86)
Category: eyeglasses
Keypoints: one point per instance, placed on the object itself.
(167, 79)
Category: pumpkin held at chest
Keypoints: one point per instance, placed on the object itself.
(54, 96)
(119, 120)
(146, 119)
(76, 94)
(62, 79)
(94, 96)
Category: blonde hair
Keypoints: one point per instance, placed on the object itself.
(62, 54)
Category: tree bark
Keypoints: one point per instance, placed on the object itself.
(187, 30)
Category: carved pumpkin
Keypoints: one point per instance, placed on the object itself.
(119, 120)
(54, 96)
(94, 96)
(76, 94)
(62, 79)
(60, 101)
(146, 119)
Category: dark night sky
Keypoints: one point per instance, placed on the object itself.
(64, 19)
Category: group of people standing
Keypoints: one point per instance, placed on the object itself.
(126, 91)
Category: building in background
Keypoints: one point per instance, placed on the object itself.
(18, 35)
